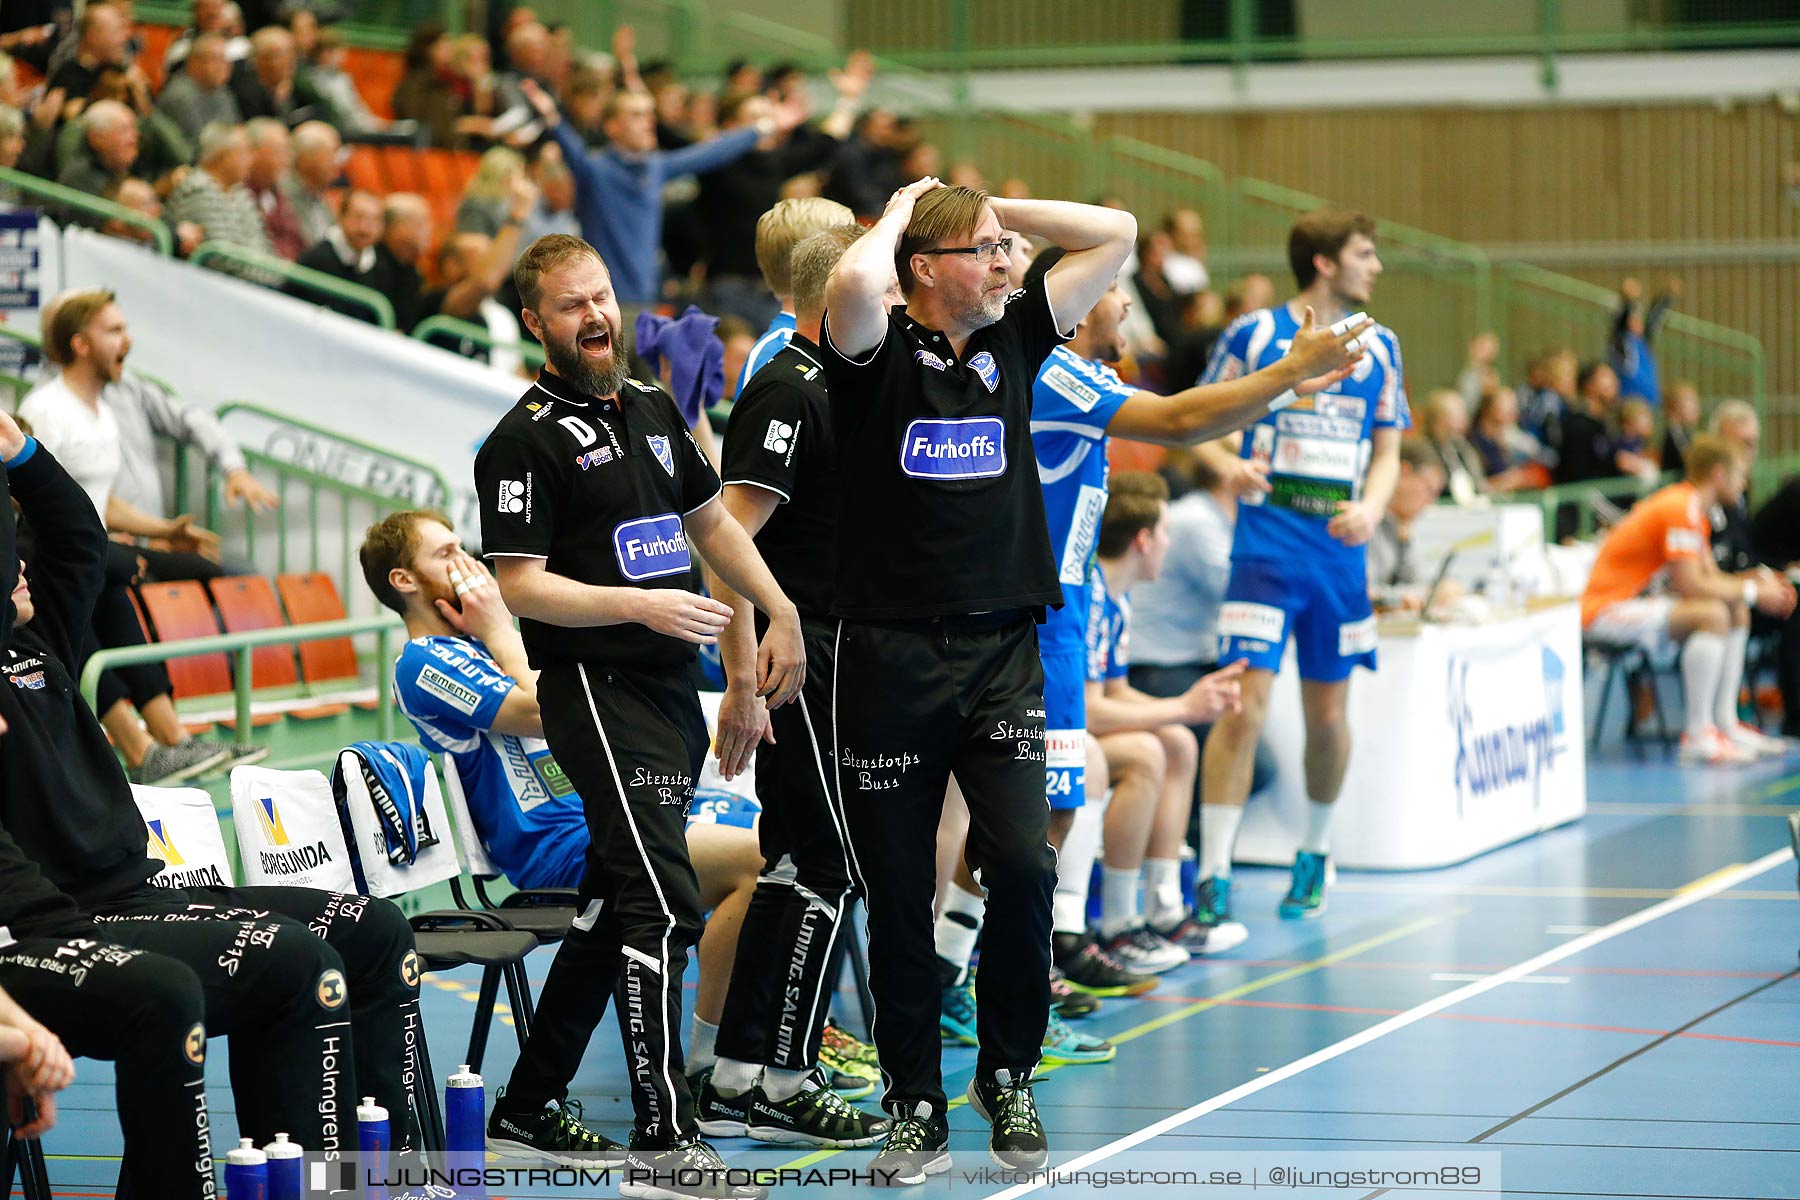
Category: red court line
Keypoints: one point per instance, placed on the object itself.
(1492, 1020)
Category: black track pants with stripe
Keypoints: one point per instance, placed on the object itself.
(145, 1013)
(799, 914)
(917, 701)
(632, 743)
(317, 990)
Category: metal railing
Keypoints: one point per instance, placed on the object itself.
(321, 493)
(240, 646)
(443, 325)
(261, 268)
(98, 207)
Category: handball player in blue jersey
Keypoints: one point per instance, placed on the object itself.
(463, 682)
(1298, 557)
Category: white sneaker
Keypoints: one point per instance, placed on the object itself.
(1749, 737)
(1711, 749)
(1140, 949)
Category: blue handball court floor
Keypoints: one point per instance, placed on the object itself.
(1608, 1009)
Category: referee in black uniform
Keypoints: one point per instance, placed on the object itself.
(944, 567)
(783, 485)
(590, 489)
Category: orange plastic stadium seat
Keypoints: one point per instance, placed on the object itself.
(377, 73)
(400, 167)
(310, 599)
(363, 169)
(178, 611)
(248, 602)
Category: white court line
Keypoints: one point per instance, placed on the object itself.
(1710, 886)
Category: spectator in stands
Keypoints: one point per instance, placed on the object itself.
(202, 94)
(1446, 435)
(867, 170)
(1160, 299)
(1590, 446)
(1511, 458)
(475, 89)
(267, 89)
(618, 191)
(1548, 396)
(555, 210)
(307, 187)
(1637, 438)
(428, 90)
(1628, 351)
(1705, 609)
(1200, 319)
(210, 16)
(515, 123)
(162, 147)
(112, 142)
(347, 252)
(736, 194)
(12, 141)
(488, 198)
(103, 35)
(1681, 421)
(1479, 374)
(139, 196)
(212, 204)
(472, 267)
(405, 234)
(1175, 618)
(584, 104)
(324, 87)
(1184, 267)
(1396, 580)
(271, 158)
(85, 336)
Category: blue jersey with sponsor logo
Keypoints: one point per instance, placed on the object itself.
(1072, 402)
(1317, 448)
(1108, 630)
(526, 810)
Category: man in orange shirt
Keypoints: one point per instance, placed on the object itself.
(1655, 582)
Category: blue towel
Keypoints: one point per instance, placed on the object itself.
(394, 773)
(695, 355)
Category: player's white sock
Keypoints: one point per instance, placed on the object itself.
(731, 1077)
(700, 1046)
(1075, 868)
(1702, 663)
(958, 928)
(1317, 838)
(1118, 900)
(1218, 833)
(1162, 891)
(782, 1085)
(1731, 675)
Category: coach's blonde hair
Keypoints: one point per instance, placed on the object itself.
(785, 226)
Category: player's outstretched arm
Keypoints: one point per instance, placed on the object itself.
(1319, 357)
(1098, 241)
(856, 318)
(728, 550)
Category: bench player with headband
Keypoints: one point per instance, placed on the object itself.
(1298, 557)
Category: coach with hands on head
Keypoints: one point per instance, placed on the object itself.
(944, 568)
(591, 487)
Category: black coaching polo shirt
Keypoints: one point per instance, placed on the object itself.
(779, 439)
(942, 512)
(598, 488)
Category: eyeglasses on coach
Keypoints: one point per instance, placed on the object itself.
(985, 253)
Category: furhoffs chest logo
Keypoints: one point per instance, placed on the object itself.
(954, 448)
(651, 546)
